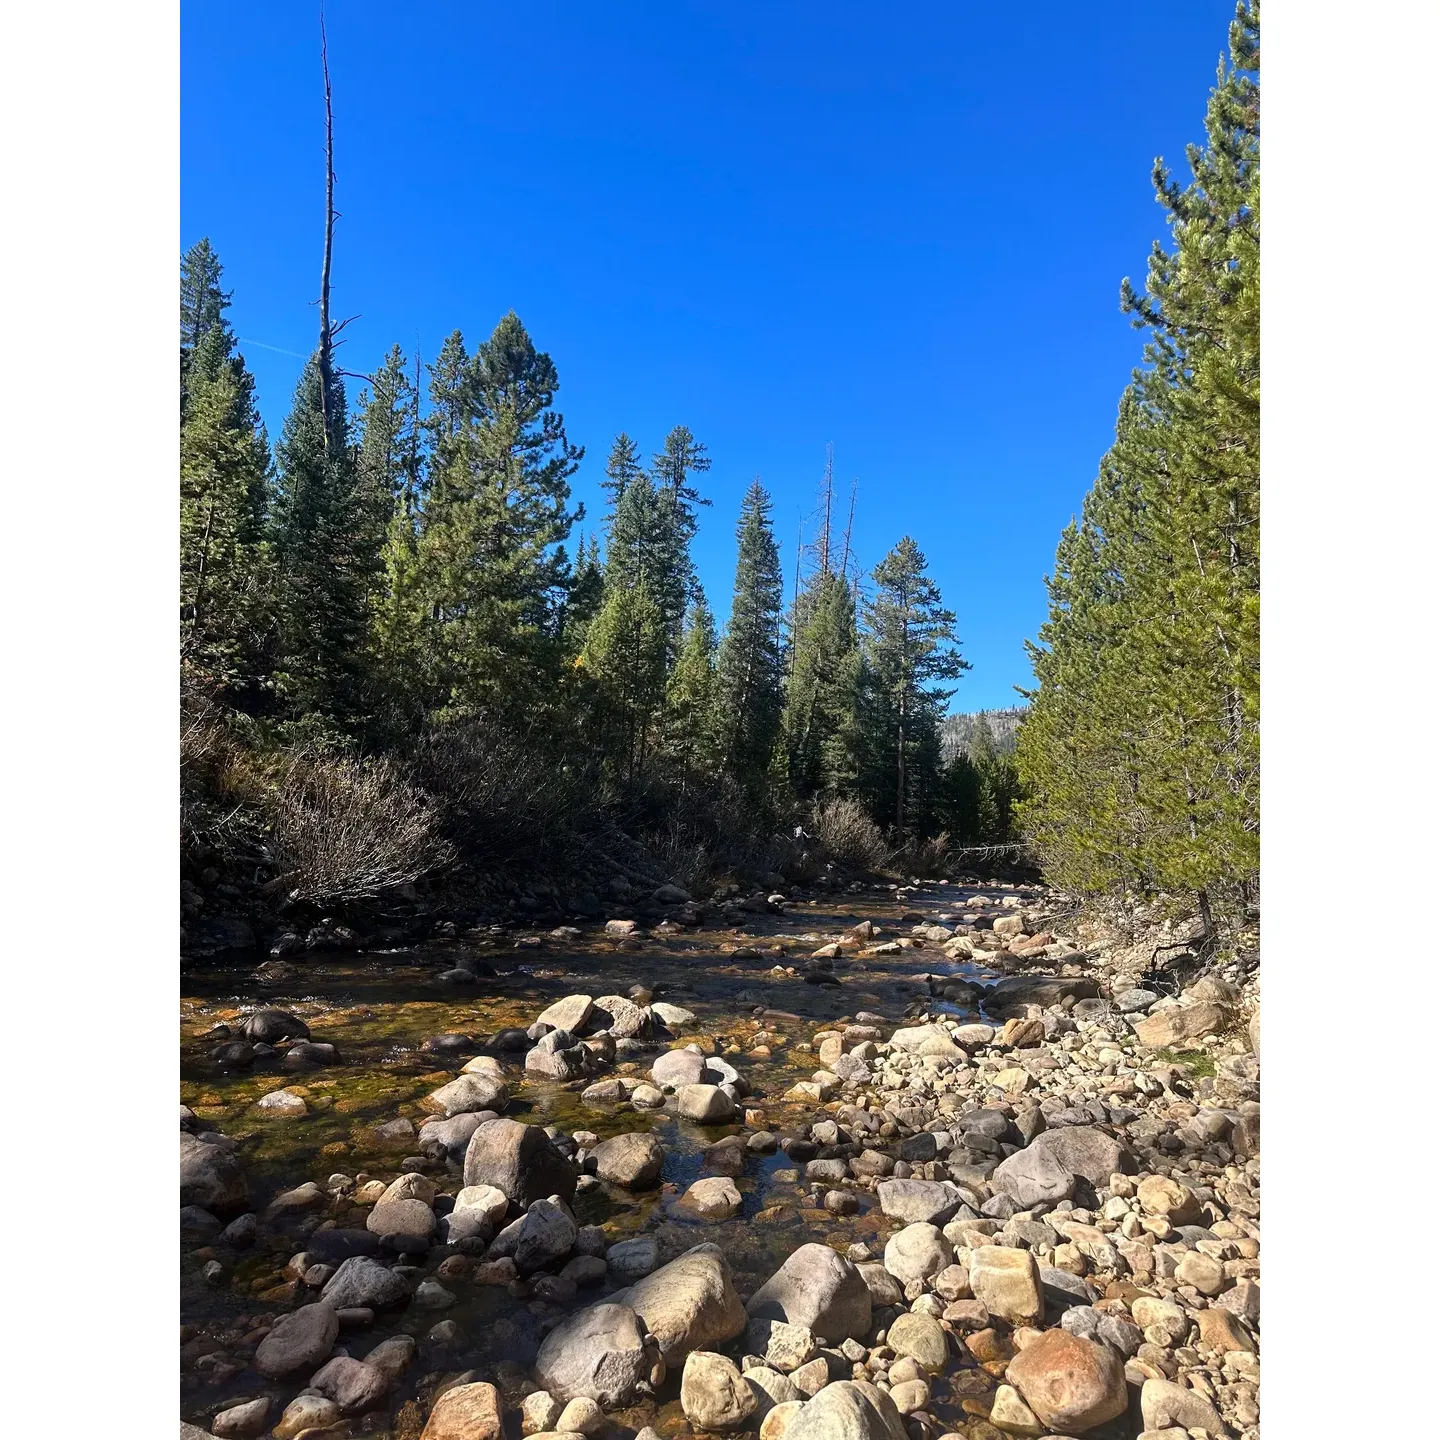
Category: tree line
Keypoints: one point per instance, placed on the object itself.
(1140, 751)
(378, 582)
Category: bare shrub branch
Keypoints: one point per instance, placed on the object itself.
(350, 830)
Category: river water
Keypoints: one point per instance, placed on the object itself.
(378, 1009)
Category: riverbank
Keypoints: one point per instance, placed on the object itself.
(930, 1083)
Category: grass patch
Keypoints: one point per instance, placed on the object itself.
(1197, 1062)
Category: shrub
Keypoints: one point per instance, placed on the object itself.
(850, 837)
(349, 830)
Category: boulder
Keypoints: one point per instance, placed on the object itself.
(1017, 991)
(786, 1347)
(466, 1412)
(678, 1067)
(922, 1338)
(241, 1422)
(518, 1160)
(544, 1234)
(705, 1104)
(847, 1410)
(917, 1252)
(363, 1282)
(1176, 1024)
(1165, 1405)
(1071, 1384)
(570, 1014)
(408, 1216)
(689, 1304)
(712, 1393)
(450, 1138)
(211, 1177)
(932, 1040)
(818, 1288)
(1008, 1283)
(629, 1260)
(623, 1018)
(1160, 1195)
(298, 1343)
(1033, 1176)
(632, 1161)
(715, 1198)
(931, 1202)
(1084, 1150)
(354, 1385)
(467, 1093)
(270, 1026)
(306, 1412)
(598, 1353)
(310, 1055)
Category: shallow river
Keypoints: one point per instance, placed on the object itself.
(378, 1009)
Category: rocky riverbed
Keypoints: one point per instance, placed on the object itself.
(898, 1162)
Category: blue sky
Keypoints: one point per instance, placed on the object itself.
(897, 229)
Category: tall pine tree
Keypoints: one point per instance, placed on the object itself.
(909, 646)
(226, 579)
(751, 679)
(1140, 754)
(497, 512)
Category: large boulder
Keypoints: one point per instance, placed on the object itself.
(450, 1138)
(922, 1338)
(932, 1040)
(1165, 1405)
(930, 1202)
(705, 1104)
(1031, 1176)
(632, 1161)
(211, 1177)
(1072, 1384)
(299, 1342)
(570, 1014)
(817, 1288)
(270, 1026)
(466, 1412)
(1007, 1281)
(545, 1233)
(622, 1017)
(689, 1304)
(1017, 991)
(714, 1198)
(353, 1385)
(713, 1394)
(519, 1160)
(598, 1354)
(468, 1093)
(1084, 1150)
(1176, 1024)
(363, 1282)
(678, 1067)
(847, 1410)
(917, 1252)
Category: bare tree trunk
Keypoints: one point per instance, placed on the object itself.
(327, 338)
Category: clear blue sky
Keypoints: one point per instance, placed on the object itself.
(898, 229)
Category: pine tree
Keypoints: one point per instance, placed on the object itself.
(327, 570)
(676, 498)
(225, 565)
(202, 306)
(622, 469)
(822, 693)
(625, 657)
(388, 461)
(909, 645)
(1140, 754)
(691, 701)
(495, 517)
(751, 679)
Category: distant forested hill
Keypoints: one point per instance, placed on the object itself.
(960, 732)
